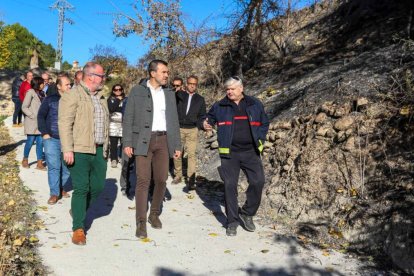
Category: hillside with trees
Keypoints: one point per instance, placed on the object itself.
(19, 49)
(336, 79)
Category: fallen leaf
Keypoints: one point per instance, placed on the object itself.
(174, 210)
(340, 190)
(191, 196)
(354, 192)
(43, 208)
(11, 203)
(57, 246)
(325, 253)
(18, 241)
(227, 251)
(116, 245)
(213, 234)
(264, 250)
(405, 110)
(145, 240)
(131, 207)
(33, 239)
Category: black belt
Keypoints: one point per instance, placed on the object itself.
(158, 133)
(98, 145)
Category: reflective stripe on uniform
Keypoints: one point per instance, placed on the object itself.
(260, 147)
(224, 150)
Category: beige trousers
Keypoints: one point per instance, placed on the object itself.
(189, 137)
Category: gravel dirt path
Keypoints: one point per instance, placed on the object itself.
(192, 241)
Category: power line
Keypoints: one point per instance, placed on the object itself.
(61, 6)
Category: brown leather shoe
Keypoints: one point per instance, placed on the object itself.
(65, 194)
(176, 180)
(155, 221)
(40, 165)
(25, 163)
(141, 231)
(79, 237)
(53, 199)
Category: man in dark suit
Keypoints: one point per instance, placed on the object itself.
(191, 109)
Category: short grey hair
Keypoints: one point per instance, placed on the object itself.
(89, 66)
(233, 81)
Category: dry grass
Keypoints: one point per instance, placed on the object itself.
(18, 223)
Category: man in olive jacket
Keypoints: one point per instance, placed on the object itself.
(83, 128)
(151, 132)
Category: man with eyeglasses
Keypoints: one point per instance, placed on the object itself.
(177, 84)
(84, 129)
(191, 109)
(50, 87)
(242, 125)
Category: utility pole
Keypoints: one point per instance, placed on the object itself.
(61, 6)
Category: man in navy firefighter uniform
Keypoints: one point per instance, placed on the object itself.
(242, 126)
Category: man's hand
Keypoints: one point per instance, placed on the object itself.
(177, 154)
(129, 151)
(68, 157)
(46, 136)
(206, 125)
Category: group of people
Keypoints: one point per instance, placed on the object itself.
(78, 126)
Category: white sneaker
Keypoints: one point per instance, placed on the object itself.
(114, 163)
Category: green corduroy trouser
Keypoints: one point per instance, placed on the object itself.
(88, 180)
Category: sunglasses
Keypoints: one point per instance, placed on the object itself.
(176, 85)
(117, 89)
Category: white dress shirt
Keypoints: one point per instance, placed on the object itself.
(159, 122)
(190, 96)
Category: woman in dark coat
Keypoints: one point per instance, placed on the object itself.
(115, 102)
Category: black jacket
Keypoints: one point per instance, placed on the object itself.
(15, 87)
(196, 113)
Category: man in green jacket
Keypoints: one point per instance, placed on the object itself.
(83, 129)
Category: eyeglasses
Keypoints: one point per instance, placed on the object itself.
(118, 89)
(98, 75)
(176, 85)
(191, 83)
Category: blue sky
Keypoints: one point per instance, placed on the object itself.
(93, 25)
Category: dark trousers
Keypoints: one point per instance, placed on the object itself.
(127, 165)
(17, 114)
(113, 147)
(156, 162)
(251, 164)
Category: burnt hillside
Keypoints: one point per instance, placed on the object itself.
(340, 151)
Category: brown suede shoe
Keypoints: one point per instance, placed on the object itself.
(25, 163)
(155, 221)
(40, 165)
(52, 200)
(141, 231)
(79, 237)
(177, 180)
